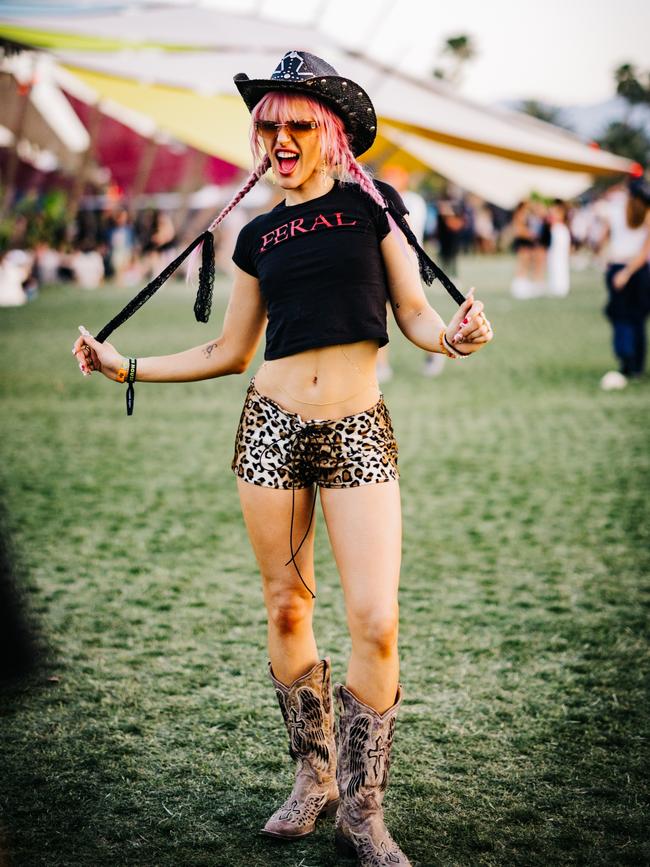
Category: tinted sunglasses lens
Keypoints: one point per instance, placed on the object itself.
(293, 127)
(266, 127)
(299, 127)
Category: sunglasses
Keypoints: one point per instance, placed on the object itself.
(269, 128)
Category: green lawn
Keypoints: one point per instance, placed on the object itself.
(524, 733)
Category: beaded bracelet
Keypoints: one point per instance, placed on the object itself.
(449, 350)
(454, 349)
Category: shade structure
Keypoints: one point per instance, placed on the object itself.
(48, 122)
(213, 123)
(191, 94)
(498, 180)
(172, 28)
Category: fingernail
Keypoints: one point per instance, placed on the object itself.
(457, 337)
(465, 321)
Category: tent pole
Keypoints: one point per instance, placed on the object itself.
(192, 180)
(79, 184)
(24, 91)
(143, 173)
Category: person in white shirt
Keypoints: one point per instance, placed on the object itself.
(559, 252)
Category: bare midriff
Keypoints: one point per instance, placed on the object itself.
(327, 383)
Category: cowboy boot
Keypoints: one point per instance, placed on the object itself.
(307, 711)
(365, 739)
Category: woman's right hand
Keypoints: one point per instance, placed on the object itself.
(91, 355)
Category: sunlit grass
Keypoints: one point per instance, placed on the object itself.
(525, 594)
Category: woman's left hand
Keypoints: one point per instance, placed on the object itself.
(620, 279)
(469, 329)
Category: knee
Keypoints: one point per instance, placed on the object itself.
(376, 629)
(288, 612)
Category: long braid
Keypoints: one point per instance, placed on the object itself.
(253, 178)
(205, 250)
(429, 271)
(201, 247)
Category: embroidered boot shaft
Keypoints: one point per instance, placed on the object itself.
(365, 740)
(308, 714)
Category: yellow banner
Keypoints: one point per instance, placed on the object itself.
(216, 124)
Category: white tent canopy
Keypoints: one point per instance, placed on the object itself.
(500, 181)
(501, 155)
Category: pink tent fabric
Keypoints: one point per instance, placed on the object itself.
(120, 149)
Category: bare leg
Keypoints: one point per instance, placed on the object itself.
(267, 513)
(524, 258)
(539, 264)
(364, 526)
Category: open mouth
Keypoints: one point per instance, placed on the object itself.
(287, 161)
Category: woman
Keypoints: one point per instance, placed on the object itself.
(628, 275)
(523, 246)
(320, 266)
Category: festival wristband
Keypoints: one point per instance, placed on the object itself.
(123, 371)
(130, 391)
(454, 349)
(447, 349)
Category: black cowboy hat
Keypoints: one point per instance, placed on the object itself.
(304, 73)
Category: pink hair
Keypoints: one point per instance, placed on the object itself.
(335, 148)
(334, 141)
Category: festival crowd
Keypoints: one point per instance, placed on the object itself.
(548, 238)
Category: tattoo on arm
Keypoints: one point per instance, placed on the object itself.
(209, 349)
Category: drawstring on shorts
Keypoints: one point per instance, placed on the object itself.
(306, 448)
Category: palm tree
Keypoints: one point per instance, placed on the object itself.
(459, 50)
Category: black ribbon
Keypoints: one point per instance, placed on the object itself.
(203, 301)
(429, 271)
(130, 398)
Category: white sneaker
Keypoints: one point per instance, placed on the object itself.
(521, 288)
(613, 381)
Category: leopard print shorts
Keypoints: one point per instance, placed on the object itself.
(275, 448)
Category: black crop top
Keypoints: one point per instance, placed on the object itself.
(320, 269)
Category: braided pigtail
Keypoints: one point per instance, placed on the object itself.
(358, 175)
(202, 247)
(351, 171)
(204, 251)
(252, 179)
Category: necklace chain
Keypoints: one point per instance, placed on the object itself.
(333, 402)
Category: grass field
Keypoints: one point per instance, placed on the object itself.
(152, 738)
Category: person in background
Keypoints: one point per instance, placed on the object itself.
(627, 277)
(121, 241)
(523, 243)
(450, 227)
(559, 252)
(87, 266)
(531, 240)
(485, 234)
(542, 229)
